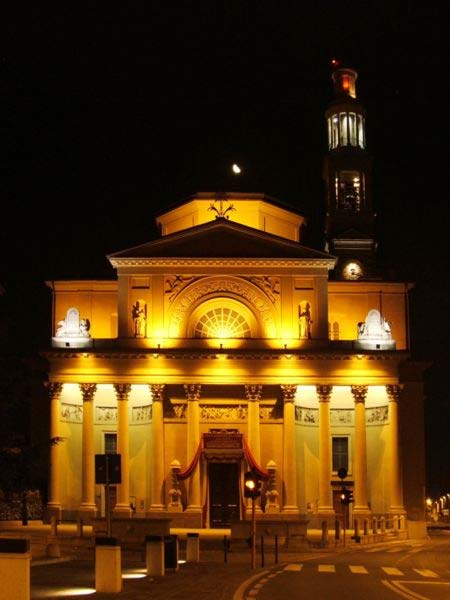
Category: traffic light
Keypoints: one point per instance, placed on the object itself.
(346, 496)
(252, 485)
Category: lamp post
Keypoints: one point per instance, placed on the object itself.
(252, 489)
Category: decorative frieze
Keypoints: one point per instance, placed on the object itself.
(141, 414)
(377, 415)
(213, 412)
(106, 414)
(71, 413)
(307, 416)
(175, 411)
(342, 416)
(269, 413)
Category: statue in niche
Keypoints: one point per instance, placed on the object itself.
(304, 320)
(139, 315)
(72, 326)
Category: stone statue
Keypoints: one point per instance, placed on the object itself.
(72, 326)
(139, 315)
(304, 321)
(375, 327)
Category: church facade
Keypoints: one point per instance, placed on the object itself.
(226, 345)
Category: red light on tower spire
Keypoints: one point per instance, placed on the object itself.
(335, 63)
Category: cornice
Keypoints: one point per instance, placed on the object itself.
(304, 263)
(165, 354)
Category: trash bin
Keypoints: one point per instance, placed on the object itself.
(171, 552)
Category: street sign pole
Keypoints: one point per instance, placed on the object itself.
(107, 504)
(253, 534)
(345, 524)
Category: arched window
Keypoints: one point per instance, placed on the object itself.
(222, 323)
(222, 318)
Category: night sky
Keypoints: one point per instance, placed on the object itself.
(110, 117)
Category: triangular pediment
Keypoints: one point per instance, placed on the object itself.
(221, 239)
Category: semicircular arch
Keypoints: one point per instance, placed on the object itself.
(233, 288)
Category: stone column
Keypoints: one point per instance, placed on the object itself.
(157, 473)
(325, 507)
(193, 439)
(88, 507)
(122, 507)
(253, 395)
(290, 504)
(54, 504)
(396, 501)
(360, 506)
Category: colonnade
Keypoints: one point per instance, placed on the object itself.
(253, 395)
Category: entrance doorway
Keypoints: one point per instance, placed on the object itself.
(223, 494)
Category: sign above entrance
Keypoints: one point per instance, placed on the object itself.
(222, 441)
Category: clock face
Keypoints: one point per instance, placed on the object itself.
(352, 271)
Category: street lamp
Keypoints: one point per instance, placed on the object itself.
(252, 489)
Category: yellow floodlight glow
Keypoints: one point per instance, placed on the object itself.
(61, 593)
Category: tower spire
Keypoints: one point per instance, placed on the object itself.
(347, 174)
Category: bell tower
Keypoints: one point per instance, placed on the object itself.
(349, 224)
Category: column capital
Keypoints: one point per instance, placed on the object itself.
(324, 392)
(393, 392)
(253, 393)
(288, 392)
(88, 391)
(359, 392)
(122, 391)
(54, 389)
(156, 390)
(192, 391)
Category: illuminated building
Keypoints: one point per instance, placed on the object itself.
(225, 344)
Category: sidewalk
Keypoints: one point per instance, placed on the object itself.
(72, 575)
(209, 579)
